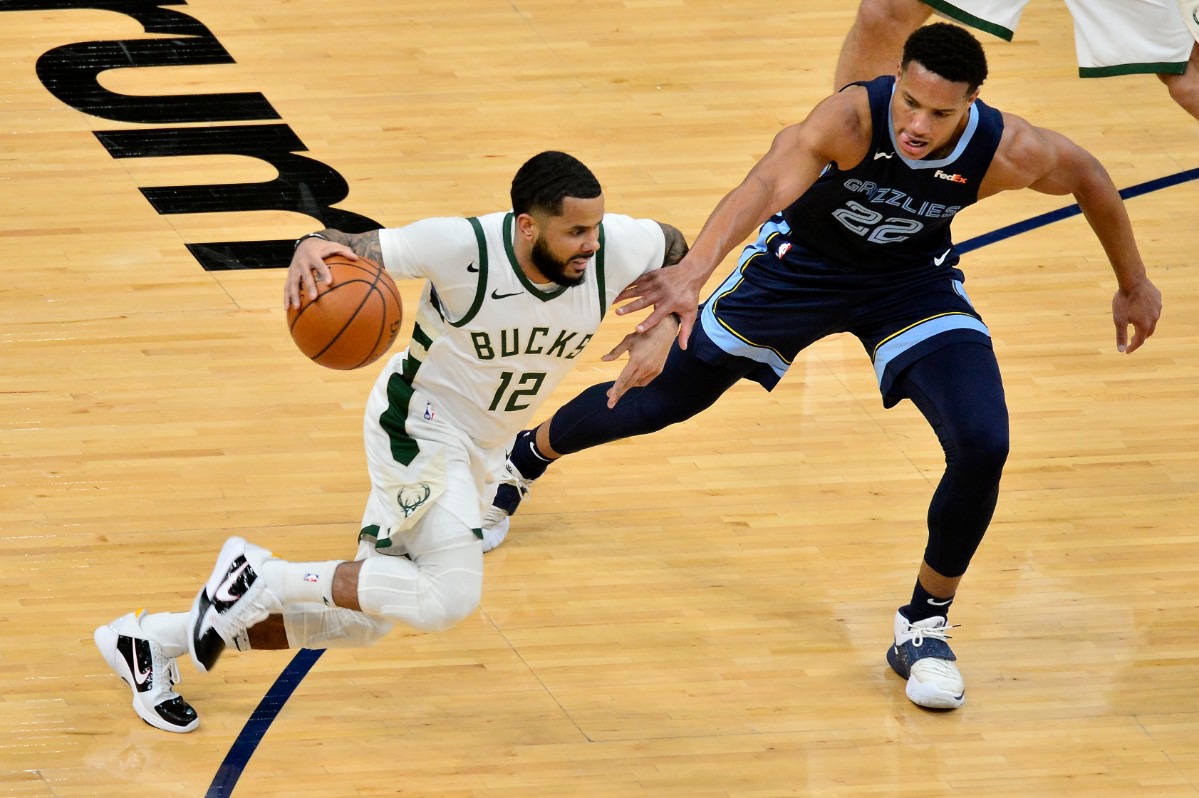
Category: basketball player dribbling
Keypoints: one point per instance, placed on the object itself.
(511, 301)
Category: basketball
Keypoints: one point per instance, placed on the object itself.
(353, 321)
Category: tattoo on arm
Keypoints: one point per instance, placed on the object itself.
(365, 245)
(676, 244)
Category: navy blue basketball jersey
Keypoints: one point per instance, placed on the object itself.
(889, 213)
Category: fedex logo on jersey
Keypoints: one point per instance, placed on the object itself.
(949, 177)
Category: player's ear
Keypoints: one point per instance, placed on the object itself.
(526, 226)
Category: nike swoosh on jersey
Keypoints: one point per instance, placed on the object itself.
(498, 295)
(472, 267)
(944, 255)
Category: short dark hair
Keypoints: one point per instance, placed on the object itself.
(949, 51)
(549, 177)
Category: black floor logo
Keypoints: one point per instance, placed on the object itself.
(304, 185)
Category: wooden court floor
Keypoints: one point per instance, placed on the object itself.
(700, 613)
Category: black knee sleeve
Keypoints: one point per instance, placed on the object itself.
(959, 391)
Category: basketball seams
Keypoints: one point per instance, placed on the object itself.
(349, 321)
(370, 356)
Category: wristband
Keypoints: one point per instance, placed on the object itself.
(307, 236)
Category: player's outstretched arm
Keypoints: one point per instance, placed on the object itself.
(308, 264)
(1048, 162)
(838, 129)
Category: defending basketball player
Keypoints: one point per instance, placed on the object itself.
(857, 202)
(509, 304)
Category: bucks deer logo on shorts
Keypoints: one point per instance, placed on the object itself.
(411, 497)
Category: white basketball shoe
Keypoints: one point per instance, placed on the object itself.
(923, 657)
(151, 674)
(512, 488)
(234, 598)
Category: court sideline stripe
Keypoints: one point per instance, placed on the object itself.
(1016, 229)
(260, 720)
(272, 703)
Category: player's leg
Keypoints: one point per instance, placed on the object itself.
(336, 603)
(1115, 37)
(436, 585)
(959, 391)
(874, 44)
(1184, 88)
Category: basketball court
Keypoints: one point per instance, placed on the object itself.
(700, 613)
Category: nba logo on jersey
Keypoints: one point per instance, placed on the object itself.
(784, 248)
(428, 412)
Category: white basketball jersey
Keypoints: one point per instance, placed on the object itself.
(488, 345)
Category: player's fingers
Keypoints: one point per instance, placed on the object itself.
(654, 318)
(1138, 337)
(308, 278)
(1121, 335)
(295, 285)
(617, 390)
(620, 348)
(640, 303)
(686, 320)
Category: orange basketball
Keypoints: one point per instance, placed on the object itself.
(353, 321)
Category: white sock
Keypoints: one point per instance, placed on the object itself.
(167, 629)
(301, 582)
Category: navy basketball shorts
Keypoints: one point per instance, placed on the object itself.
(770, 309)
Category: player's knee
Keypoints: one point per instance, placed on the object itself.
(444, 609)
(430, 598)
(984, 447)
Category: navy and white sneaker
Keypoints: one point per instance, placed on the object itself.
(512, 488)
(234, 598)
(151, 674)
(923, 657)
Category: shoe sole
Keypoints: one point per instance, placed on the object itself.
(927, 696)
(106, 639)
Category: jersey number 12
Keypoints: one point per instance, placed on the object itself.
(527, 386)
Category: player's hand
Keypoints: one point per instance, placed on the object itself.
(647, 354)
(1141, 307)
(308, 267)
(671, 290)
